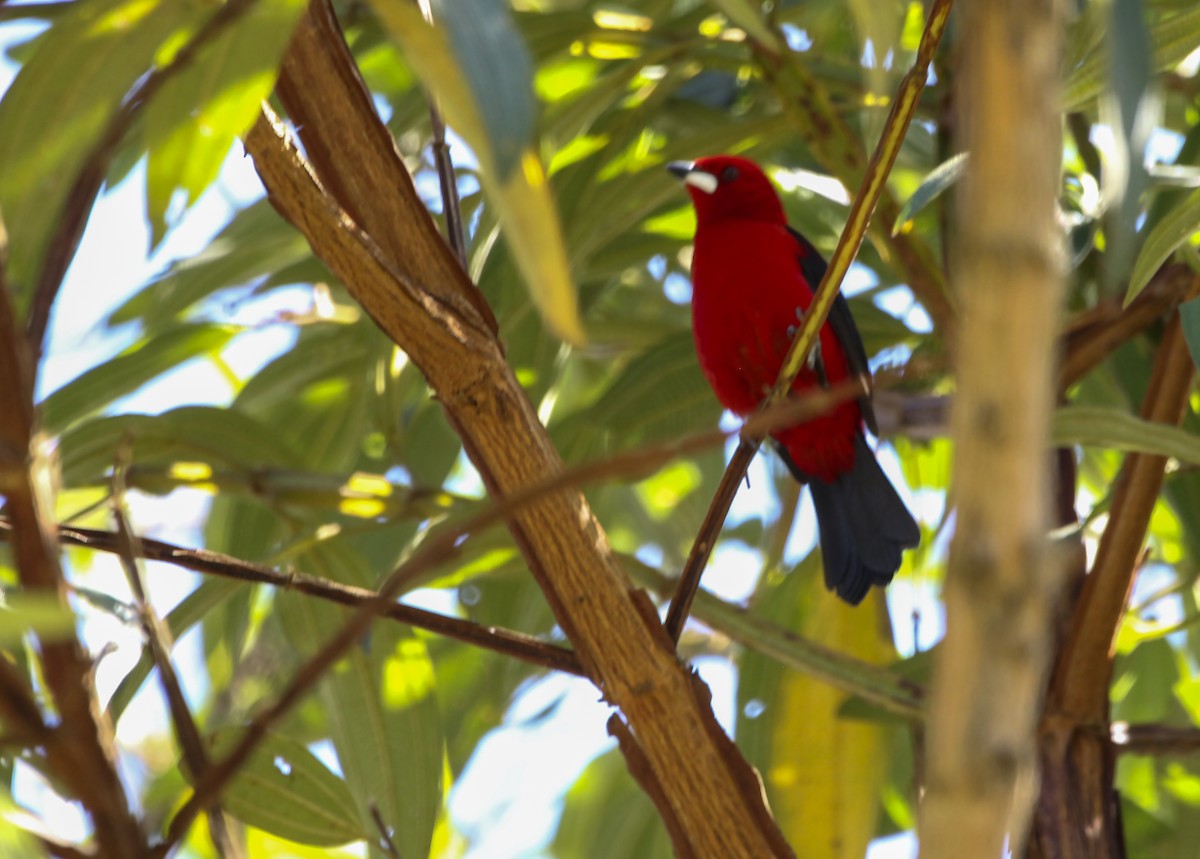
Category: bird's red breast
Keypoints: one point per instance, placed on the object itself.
(747, 288)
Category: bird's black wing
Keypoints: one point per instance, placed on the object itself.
(813, 266)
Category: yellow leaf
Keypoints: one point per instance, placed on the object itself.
(522, 201)
(826, 772)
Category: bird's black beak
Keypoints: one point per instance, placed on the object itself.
(680, 169)
(692, 176)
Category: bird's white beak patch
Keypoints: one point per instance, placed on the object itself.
(686, 172)
(705, 182)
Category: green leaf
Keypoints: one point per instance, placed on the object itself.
(521, 196)
(129, 371)
(190, 611)
(60, 102)
(219, 438)
(822, 772)
(1172, 39)
(285, 790)
(495, 62)
(1175, 228)
(24, 613)
(194, 119)
(606, 816)
(660, 394)
(1135, 104)
(749, 17)
(1189, 317)
(938, 180)
(1117, 429)
(254, 245)
(380, 705)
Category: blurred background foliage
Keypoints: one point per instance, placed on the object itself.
(332, 459)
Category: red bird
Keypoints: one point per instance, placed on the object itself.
(752, 280)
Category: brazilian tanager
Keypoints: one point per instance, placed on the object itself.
(752, 280)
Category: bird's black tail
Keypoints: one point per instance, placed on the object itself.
(863, 525)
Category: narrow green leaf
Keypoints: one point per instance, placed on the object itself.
(61, 100)
(191, 610)
(1175, 228)
(606, 816)
(380, 705)
(124, 374)
(1133, 103)
(521, 196)
(1172, 39)
(219, 438)
(496, 64)
(195, 118)
(1189, 317)
(285, 790)
(255, 244)
(1113, 428)
(24, 613)
(749, 17)
(932, 186)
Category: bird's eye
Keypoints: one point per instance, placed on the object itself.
(729, 174)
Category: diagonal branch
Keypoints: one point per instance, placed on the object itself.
(187, 734)
(839, 150)
(85, 751)
(1076, 812)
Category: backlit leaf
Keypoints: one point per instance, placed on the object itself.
(192, 122)
(283, 789)
(521, 196)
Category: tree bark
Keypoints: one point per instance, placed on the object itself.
(1078, 815)
(1001, 583)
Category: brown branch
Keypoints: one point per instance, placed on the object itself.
(187, 734)
(1077, 815)
(1096, 333)
(1154, 739)
(78, 205)
(870, 192)
(1080, 688)
(83, 751)
(386, 842)
(332, 129)
(634, 464)
(1089, 339)
(873, 683)
(514, 644)
(1002, 580)
(432, 552)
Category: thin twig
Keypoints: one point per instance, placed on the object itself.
(386, 841)
(1130, 739)
(839, 149)
(869, 192)
(628, 465)
(158, 640)
(78, 204)
(451, 205)
(873, 683)
(514, 644)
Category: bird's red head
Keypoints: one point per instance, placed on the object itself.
(729, 187)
